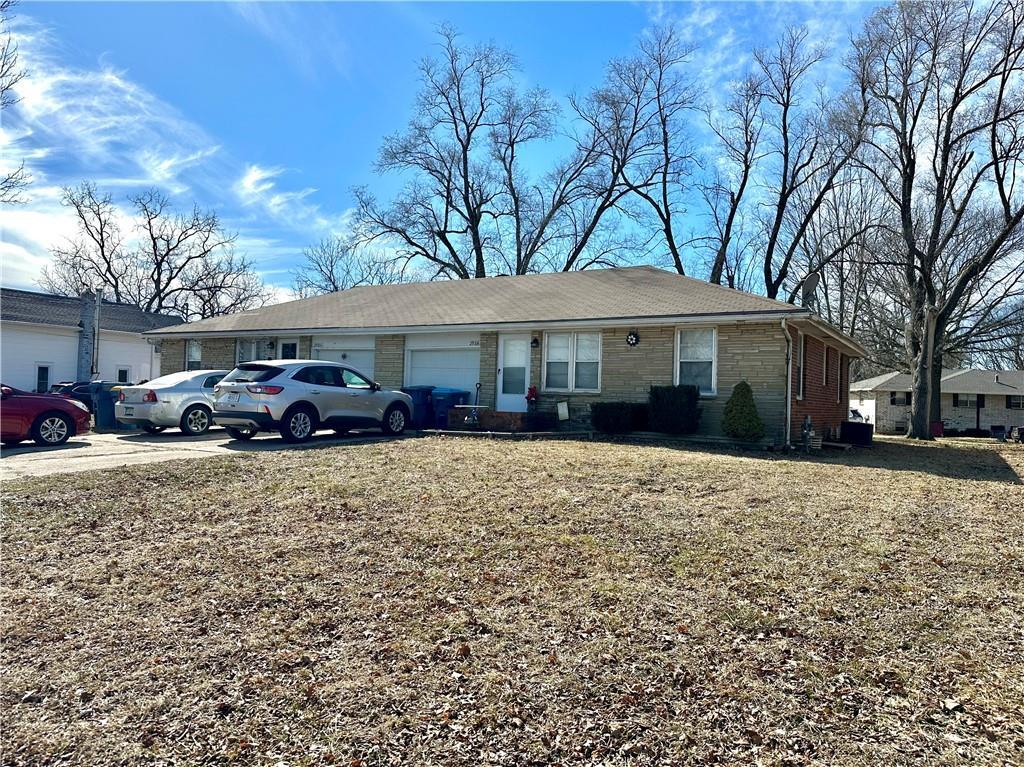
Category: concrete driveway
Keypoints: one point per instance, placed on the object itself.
(110, 451)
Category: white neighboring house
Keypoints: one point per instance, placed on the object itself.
(971, 399)
(46, 339)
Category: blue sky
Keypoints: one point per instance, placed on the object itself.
(271, 112)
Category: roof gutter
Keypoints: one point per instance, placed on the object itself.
(182, 331)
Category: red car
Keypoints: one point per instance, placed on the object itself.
(46, 418)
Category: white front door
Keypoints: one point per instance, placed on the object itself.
(513, 372)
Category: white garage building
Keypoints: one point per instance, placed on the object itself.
(46, 339)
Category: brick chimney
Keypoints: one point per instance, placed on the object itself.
(88, 320)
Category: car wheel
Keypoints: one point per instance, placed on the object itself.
(298, 424)
(396, 418)
(195, 420)
(149, 428)
(240, 434)
(52, 429)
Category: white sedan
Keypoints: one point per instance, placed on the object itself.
(184, 400)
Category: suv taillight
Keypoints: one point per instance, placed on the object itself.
(149, 396)
(120, 396)
(262, 389)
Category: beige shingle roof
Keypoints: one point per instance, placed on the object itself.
(640, 292)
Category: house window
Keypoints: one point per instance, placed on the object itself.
(839, 377)
(572, 361)
(250, 349)
(288, 349)
(193, 355)
(969, 401)
(899, 398)
(42, 378)
(801, 351)
(698, 359)
(1015, 401)
(124, 375)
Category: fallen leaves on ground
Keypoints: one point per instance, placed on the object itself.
(468, 602)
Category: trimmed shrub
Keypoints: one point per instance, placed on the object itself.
(740, 419)
(674, 409)
(618, 417)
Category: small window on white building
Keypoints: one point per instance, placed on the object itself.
(1015, 401)
(572, 361)
(193, 355)
(899, 398)
(969, 401)
(42, 378)
(697, 354)
(124, 374)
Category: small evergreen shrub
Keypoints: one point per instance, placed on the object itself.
(674, 409)
(618, 417)
(740, 419)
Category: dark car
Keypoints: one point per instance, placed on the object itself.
(84, 391)
(48, 419)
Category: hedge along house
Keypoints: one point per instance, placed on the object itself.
(578, 337)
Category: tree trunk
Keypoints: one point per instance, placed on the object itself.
(935, 398)
(921, 379)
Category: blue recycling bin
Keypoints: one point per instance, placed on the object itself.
(422, 405)
(444, 400)
(103, 409)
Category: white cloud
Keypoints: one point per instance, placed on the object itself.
(307, 36)
(75, 123)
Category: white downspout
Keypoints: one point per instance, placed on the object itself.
(789, 381)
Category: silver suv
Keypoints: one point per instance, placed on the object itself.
(297, 397)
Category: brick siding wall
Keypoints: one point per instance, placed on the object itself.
(755, 353)
(172, 356)
(489, 369)
(819, 400)
(389, 361)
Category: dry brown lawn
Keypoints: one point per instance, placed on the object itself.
(468, 602)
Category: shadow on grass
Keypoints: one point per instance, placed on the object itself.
(979, 463)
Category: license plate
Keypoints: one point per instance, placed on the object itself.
(233, 396)
(129, 411)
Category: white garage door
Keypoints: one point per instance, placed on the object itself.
(457, 368)
(360, 359)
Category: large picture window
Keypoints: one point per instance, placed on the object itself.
(572, 361)
(697, 359)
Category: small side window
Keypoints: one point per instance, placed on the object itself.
(353, 380)
(211, 381)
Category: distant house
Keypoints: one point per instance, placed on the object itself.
(971, 399)
(45, 339)
(575, 337)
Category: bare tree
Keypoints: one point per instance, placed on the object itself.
(738, 132)
(808, 145)
(943, 81)
(471, 207)
(335, 264)
(179, 264)
(13, 181)
(660, 95)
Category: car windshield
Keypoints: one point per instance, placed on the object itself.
(252, 374)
